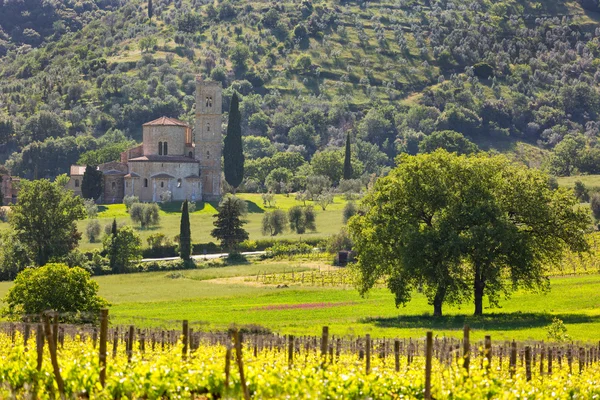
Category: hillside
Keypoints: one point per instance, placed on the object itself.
(80, 78)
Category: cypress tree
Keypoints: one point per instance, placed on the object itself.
(185, 236)
(112, 257)
(1, 194)
(233, 153)
(91, 186)
(347, 160)
(150, 10)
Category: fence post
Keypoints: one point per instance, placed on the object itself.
(26, 333)
(550, 355)
(290, 350)
(428, 357)
(227, 360)
(130, 343)
(368, 351)
(240, 363)
(488, 351)
(528, 362)
(39, 341)
(324, 344)
(397, 355)
(466, 348)
(542, 357)
(513, 358)
(115, 342)
(185, 339)
(581, 359)
(103, 338)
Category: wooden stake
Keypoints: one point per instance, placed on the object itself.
(428, 357)
(368, 351)
(103, 338)
(513, 358)
(185, 340)
(528, 362)
(488, 350)
(290, 350)
(53, 356)
(240, 363)
(397, 355)
(466, 348)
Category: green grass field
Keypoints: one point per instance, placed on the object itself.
(222, 296)
(328, 221)
(592, 182)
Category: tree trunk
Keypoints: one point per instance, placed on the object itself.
(438, 300)
(479, 287)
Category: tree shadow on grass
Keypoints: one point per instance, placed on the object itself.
(254, 208)
(493, 321)
(102, 209)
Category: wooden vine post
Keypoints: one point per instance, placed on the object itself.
(397, 355)
(102, 350)
(513, 358)
(368, 351)
(488, 351)
(290, 350)
(185, 339)
(428, 359)
(466, 348)
(528, 362)
(324, 344)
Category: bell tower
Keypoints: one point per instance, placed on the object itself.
(208, 137)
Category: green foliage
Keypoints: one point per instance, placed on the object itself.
(14, 256)
(229, 223)
(581, 192)
(462, 223)
(108, 153)
(279, 180)
(348, 172)
(44, 219)
(130, 201)
(350, 211)
(93, 231)
(123, 247)
(274, 223)
(557, 331)
(450, 141)
(185, 234)
(145, 214)
(595, 205)
(233, 154)
(339, 242)
(53, 287)
(92, 183)
(302, 219)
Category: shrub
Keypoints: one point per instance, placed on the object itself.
(93, 231)
(129, 201)
(288, 250)
(581, 192)
(340, 241)
(145, 214)
(53, 287)
(595, 205)
(274, 223)
(122, 249)
(324, 200)
(302, 219)
(90, 208)
(557, 331)
(349, 211)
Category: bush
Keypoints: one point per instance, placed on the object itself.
(145, 214)
(158, 266)
(93, 231)
(122, 249)
(324, 200)
(210, 248)
(129, 201)
(53, 287)
(302, 219)
(274, 223)
(350, 210)
(340, 241)
(90, 208)
(581, 192)
(595, 205)
(288, 250)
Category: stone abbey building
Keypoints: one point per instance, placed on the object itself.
(172, 158)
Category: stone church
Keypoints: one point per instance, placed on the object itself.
(172, 158)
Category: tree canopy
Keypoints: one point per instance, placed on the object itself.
(464, 227)
(229, 223)
(44, 219)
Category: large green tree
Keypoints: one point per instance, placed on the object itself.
(185, 235)
(229, 224)
(233, 151)
(123, 247)
(463, 227)
(44, 219)
(91, 185)
(53, 287)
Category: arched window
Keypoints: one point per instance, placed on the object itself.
(165, 149)
(162, 184)
(178, 183)
(145, 182)
(191, 154)
(76, 182)
(114, 185)
(209, 101)
(160, 148)
(208, 127)
(207, 155)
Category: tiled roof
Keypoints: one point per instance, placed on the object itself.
(132, 175)
(113, 172)
(162, 176)
(166, 121)
(77, 170)
(163, 159)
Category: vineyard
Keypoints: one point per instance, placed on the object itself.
(46, 359)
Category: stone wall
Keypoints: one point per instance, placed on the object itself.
(149, 189)
(175, 136)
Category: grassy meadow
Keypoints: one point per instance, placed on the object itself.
(215, 297)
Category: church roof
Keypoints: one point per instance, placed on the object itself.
(166, 121)
(77, 170)
(162, 176)
(113, 172)
(132, 175)
(163, 159)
